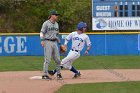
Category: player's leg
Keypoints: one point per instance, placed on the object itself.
(67, 62)
(56, 57)
(75, 71)
(52, 72)
(47, 59)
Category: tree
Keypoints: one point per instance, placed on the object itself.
(28, 15)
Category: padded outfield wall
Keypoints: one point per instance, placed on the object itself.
(102, 44)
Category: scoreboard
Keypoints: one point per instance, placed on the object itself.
(115, 14)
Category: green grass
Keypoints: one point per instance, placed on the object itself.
(31, 63)
(21, 63)
(121, 87)
(112, 62)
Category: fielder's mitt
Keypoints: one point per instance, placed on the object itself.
(63, 49)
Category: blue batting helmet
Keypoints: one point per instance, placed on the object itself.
(81, 25)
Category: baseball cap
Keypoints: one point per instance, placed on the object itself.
(54, 12)
(81, 25)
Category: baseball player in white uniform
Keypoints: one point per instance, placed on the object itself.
(79, 38)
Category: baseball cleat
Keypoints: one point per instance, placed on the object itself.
(46, 77)
(59, 77)
(76, 75)
(51, 72)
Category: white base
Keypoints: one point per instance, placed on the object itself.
(35, 77)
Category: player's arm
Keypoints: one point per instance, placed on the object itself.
(42, 34)
(87, 50)
(68, 38)
(88, 43)
(58, 40)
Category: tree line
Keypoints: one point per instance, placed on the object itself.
(27, 16)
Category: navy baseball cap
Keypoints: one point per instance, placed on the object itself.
(81, 25)
(54, 12)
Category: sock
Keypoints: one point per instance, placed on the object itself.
(73, 70)
(54, 71)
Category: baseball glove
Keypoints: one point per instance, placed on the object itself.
(63, 49)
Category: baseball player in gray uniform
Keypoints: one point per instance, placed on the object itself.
(49, 38)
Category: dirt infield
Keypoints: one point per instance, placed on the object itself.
(25, 82)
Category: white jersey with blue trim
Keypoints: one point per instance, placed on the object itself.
(78, 40)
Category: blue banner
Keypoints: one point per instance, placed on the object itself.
(102, 44)
(20, 45)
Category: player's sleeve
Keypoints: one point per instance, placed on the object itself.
(43, 31)
(88, 42)
(68, 38)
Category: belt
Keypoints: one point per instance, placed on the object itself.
(75, 50)
(51, 39)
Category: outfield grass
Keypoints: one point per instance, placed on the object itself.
(31, 63)
(121, 87)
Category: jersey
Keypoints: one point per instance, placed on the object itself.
(78, 40)
(49, 30)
